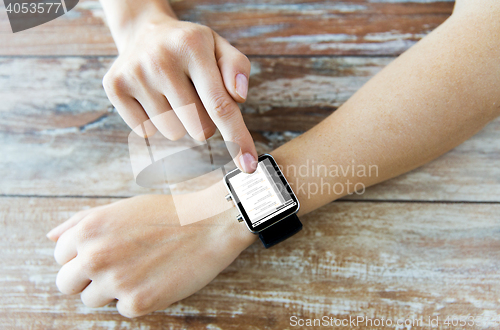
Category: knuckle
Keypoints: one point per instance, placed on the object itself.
(192, 38)
(114, 84)
(93, 260)
(64, 282)
(80, 214)
(243, 59)
(154, 54)
(88, 301)
(60, 247)
(118, 281)
(207, 132)
(121, 282)
(141, 302)
(135, 73)
(60, 283)
(124, 309)
(136, 304)
(88, 228)
(222, 106)
(157, 61)
(85, 300)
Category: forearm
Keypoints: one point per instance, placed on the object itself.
(430, 99)
(433, 97)
(123, 16)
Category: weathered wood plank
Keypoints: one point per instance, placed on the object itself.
(58, 136)
(352, 27)
(286, 94)
(391, 260)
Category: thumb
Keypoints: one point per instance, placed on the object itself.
(234, 67)
(56, 232)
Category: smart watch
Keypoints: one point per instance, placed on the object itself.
(265, 200)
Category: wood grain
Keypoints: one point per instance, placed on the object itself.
(60, 136)
(352, 27)
(398, 252)
(397, 260)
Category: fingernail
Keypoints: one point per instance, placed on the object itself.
(248, 163)
(241, 85)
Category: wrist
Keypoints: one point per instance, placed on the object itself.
(131, 19)
(239, 237)
(209, 209)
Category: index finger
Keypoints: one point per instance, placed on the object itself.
(224, 111)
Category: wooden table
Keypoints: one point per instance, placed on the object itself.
(425, 244)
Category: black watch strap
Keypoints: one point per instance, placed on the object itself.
(280, 231)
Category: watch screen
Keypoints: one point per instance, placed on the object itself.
(264, 194)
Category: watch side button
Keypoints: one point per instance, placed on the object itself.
(239, 218)
(229, 198)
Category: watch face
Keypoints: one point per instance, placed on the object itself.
(263, 197)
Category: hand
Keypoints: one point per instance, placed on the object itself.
(135, 251)
(166, 64)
